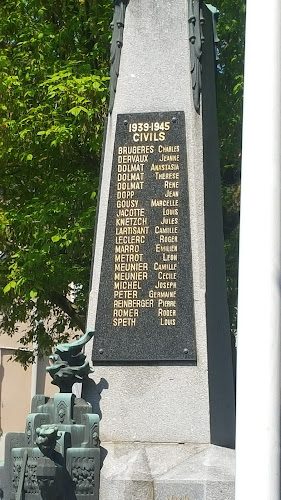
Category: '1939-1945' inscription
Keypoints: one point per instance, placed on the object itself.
(145, 304)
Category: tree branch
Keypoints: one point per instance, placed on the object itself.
(69, 308)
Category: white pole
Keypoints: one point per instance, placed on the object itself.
(259, 355)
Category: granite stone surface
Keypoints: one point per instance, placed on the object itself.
(167, 472)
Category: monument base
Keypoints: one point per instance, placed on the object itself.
(144, 471)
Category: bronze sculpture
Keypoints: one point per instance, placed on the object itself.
(58, 456)
(69, 365)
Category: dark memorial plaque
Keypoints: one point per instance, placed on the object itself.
(145, 306)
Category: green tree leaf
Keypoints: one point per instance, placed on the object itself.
(56, 238)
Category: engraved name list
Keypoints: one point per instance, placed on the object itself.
(145, 303)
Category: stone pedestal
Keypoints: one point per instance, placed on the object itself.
(167, 472)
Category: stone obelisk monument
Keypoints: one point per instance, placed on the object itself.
(163, 383)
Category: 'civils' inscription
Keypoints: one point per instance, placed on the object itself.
(145, 303)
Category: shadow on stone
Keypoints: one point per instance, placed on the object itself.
(92, 393)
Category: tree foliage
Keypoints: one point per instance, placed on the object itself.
(53, 92)
(54, 59)
(231, 30)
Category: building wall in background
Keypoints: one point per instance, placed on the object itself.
(16, 388)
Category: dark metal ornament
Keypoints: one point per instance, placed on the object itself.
(50, 479)
(215, 16)
(196, 40)
(117, 26)
(58, 456)
(69, 364)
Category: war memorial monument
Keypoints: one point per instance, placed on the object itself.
(157, 328)
(163, 381)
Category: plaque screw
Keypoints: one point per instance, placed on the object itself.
(185, 351)
(101, 351)
(174, 119)
(125, 122)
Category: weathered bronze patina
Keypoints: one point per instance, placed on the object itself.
(196, 39)
(69, 365)
(58, 456)
(117, 26)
